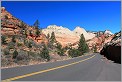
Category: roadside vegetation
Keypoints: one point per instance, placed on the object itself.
(19, 50)
(82, 48)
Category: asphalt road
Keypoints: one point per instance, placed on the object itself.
(87, 68)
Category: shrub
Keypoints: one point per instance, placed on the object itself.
(95, 48)
(13, 39)
(74, 53)
(11, 45)
(22, 55)
(60, 50)
(15, 54)
(25, 42)
(19, 44)
(6, 52)
(29, 44)
(3, 39)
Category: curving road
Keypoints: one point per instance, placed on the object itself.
(87, 68)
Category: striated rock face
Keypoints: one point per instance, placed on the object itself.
(78, 31)
(112, 49)
(65, 36)
(99, 41)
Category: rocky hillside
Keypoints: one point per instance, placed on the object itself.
(99, 41)
(112, 49)
(23, 44)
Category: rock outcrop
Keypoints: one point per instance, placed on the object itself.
(99, 41)
(112, 49)
(78, 31)
(66, 36)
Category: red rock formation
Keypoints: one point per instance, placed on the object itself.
(11, 26)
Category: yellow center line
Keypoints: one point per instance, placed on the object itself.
(39, 72)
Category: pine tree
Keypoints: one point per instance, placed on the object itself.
(36, 24)
(52, 38)
(82, 46)
(45, 53)
(60, 50)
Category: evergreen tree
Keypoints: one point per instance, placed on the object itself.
(36, 24)
(82, 46)
(45, 53)
(60, 50)
(52, 38)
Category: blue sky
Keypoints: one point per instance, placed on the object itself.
(91, 15)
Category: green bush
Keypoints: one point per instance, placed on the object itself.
(22, 55)
(13, 39)
(61, 52)
(19, 44)
(11, 45)
(29, 44)
(6, 52)
(3, 39)
(74, 53)
(15, 54)
(25, 42)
